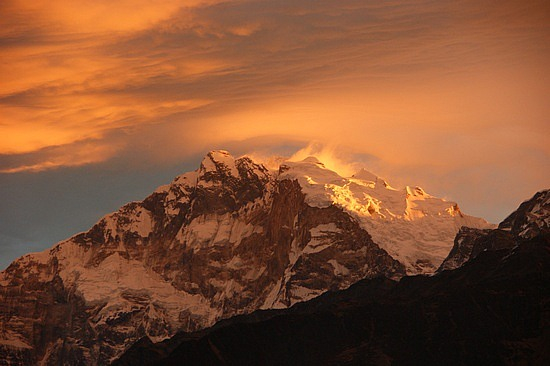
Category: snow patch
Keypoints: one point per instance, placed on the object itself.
(300, 293)
(115, 278)
(339, 270)
(208, 230)
(318, 234)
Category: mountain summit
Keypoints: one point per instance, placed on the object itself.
(228, 238)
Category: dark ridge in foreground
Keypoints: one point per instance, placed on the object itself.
(493, 310)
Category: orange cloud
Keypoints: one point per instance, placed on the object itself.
(71, 155)
(410, 84)
(93, 16)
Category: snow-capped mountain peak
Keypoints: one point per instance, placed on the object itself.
(219, 162)
(413, 226)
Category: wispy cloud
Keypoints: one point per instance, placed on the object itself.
(70, 155)
(408, 83)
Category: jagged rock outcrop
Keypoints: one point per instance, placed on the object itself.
(531, 219)
(470, 242)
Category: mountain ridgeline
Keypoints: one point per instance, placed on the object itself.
(225, 241)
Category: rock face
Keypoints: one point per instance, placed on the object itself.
(493, 310)
(531, 219)
(469, 243)
(226, 239)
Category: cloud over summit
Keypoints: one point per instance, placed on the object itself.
(438, 86)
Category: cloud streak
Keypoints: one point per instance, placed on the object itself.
(431, 85)
(52, 157)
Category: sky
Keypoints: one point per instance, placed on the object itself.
(103, 101)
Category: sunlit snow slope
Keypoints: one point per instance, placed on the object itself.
(414, 227)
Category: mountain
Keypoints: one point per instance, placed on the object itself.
(230, 238)
(494, 309)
